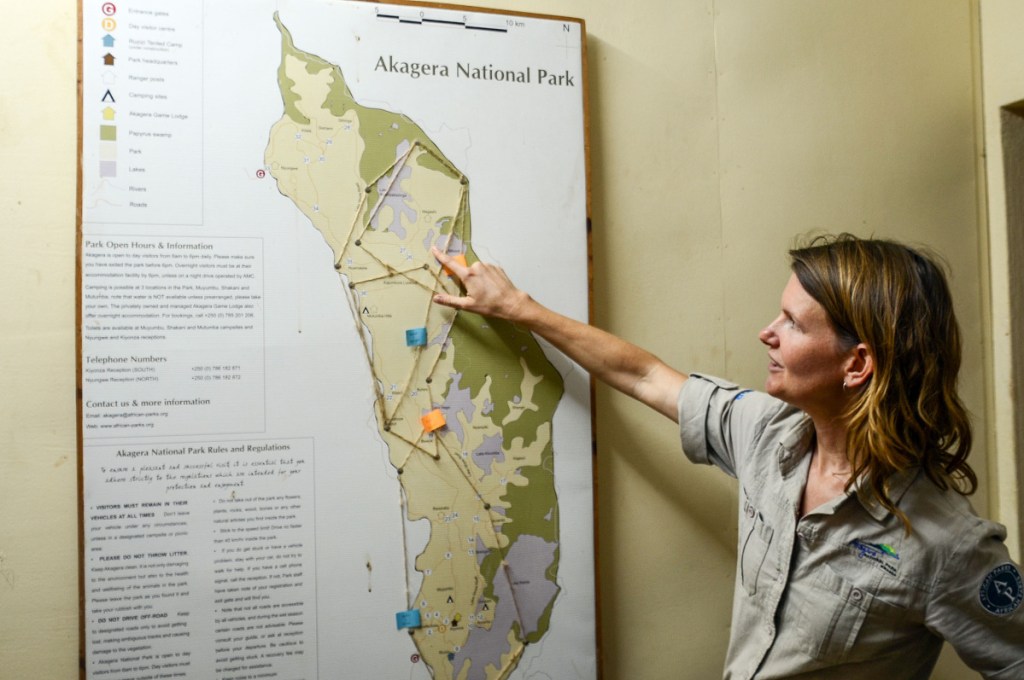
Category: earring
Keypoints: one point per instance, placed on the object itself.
(844, 385)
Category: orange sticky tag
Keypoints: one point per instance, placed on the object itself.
(460, 258)
(433, 420)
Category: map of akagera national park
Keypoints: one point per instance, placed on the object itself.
(463, 403)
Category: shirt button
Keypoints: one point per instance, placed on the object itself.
(857, 595)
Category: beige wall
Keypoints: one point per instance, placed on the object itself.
(1003, 77)
(720, 129)
(38, 497)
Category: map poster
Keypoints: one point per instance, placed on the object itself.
(294, 464)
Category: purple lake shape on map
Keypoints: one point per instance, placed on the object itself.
(528, 559)
(488, 452)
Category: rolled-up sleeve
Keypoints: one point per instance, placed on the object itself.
(700, 402)
(718, 421)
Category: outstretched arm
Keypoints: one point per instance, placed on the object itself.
(622, 365)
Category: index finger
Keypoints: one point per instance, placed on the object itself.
(450, 263)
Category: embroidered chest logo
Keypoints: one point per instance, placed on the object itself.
(881, 555)
(1002, 590)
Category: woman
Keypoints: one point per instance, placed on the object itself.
(858, 551)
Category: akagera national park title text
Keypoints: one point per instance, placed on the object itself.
(414, 69)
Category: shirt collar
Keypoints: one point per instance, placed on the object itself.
(797, 444)
(898, 483)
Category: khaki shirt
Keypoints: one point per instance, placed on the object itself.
(843, 592)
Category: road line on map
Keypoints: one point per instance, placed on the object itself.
(396, 169)
(403, 505)
(354, 308)
(352, 229)
(414, 444)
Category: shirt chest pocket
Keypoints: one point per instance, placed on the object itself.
(754, 550)
(837, 614)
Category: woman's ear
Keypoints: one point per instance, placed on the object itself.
(860, 365)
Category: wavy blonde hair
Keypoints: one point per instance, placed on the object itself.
(896, 300)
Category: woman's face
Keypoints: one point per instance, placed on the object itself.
(806, 361)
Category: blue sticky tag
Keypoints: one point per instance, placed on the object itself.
(416, 337)
(408, 619)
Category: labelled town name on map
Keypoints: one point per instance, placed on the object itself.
(469, 71)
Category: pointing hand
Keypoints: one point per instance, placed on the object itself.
(489, 291)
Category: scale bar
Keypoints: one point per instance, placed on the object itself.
(443, 21)
(419, 21)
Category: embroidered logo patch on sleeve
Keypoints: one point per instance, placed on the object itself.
(1002, 590)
